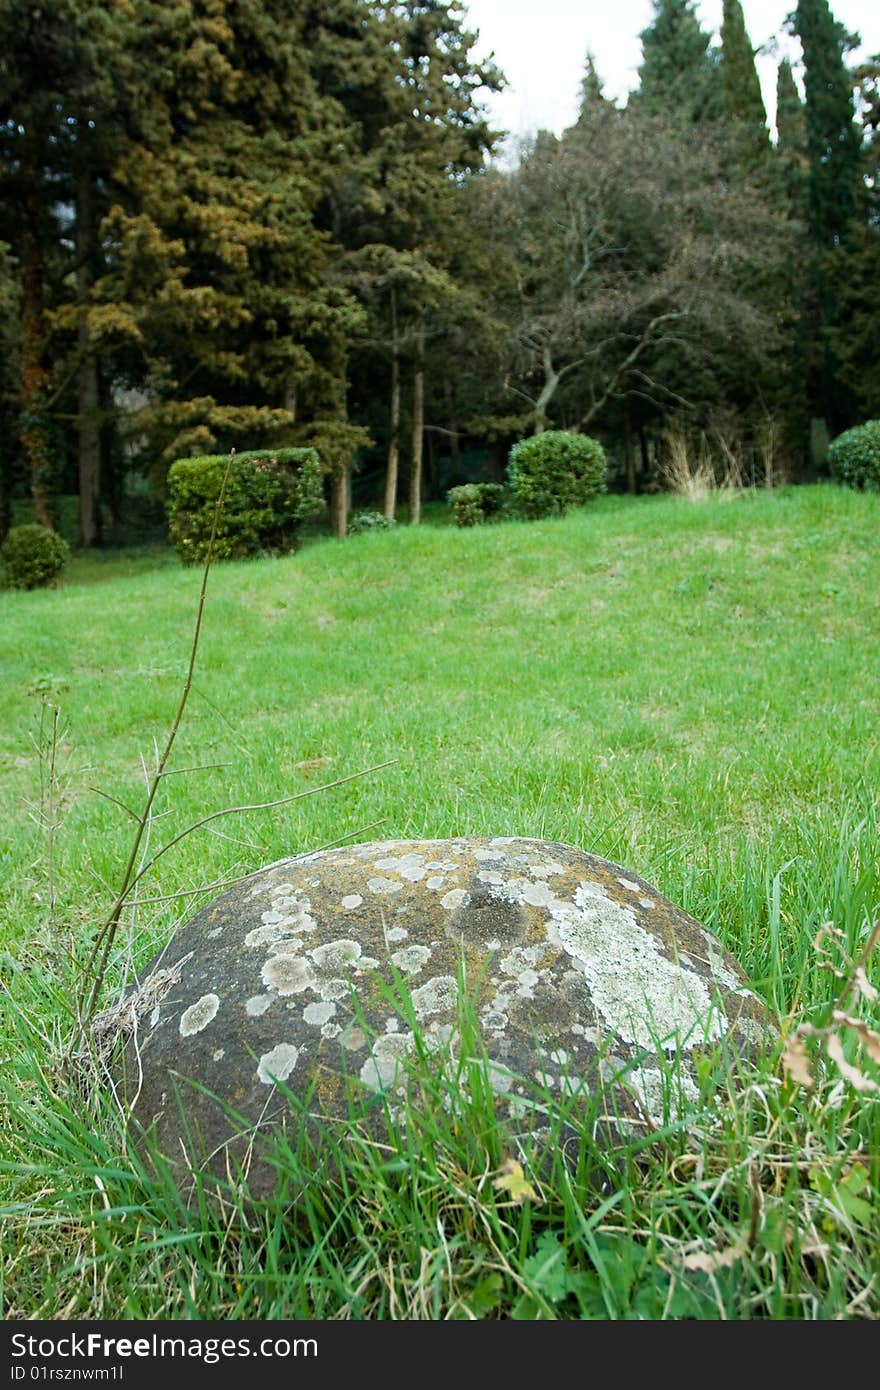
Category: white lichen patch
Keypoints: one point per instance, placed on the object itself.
(382, 1067)
(435, 996)
(411, 959)
(546, 869)
(334, 988)
(336, 955)
(198, 1015)
(218, 1054)
(257, 1005)
(287, 974)
(641, 995)
(538, 895)
(317, 1014)
(628, 883)
(397, 934)
(493, 1019)
(267, 936)
(526, 982)
(754, 1033)
(647, 904)
(351, 901)
(384, 885)
(214, 933)
(288, 945)
(490, 876)
(722, 974)
(277, 1064)
(353, 1039)
(662, 1098)
(436, 882)
(521, 958)
(409, 866)
(499, 1077)
(453, 899)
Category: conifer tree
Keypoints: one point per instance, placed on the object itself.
(679, 72)
(743, 104)
(833, 143)
(791, 139)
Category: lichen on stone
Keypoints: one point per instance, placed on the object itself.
(277, 1064)
(198, 1015)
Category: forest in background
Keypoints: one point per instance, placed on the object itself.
(260, 223)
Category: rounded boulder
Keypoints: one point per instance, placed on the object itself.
(323, 975)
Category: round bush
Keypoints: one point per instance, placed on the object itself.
(553, 471)
(33, 556)
(370, 521)
(854, 456)
(474, 503)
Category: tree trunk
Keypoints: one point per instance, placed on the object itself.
(34, 377)
(394, 421)
(548, 391)
(630, 454)
(290, 400)
(339, 501)
(418, 429)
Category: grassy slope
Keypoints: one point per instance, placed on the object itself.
(690, 690)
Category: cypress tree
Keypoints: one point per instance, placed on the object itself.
(678, 76)
(833, 144)
(743, 103)
(791, 139)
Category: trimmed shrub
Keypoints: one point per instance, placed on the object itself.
(269, 494)
(553, 471)
(854, 456)
(370, 521)
(33, 556)
(474, 503)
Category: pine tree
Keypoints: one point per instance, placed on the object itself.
(679, 72)
(743, 104)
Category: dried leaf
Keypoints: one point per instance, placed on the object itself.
(711, 1260)
(856, 1078)
(796, 1061)
(864, 986)
(514, 1182)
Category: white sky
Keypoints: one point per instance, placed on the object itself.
(540, 45)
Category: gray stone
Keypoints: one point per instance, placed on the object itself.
(585, 981)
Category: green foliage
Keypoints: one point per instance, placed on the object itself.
(473, 503)
(678, 73)
(370, 521)
(832, 139)
(743, 103)
(553, 471)
(33, 556)
(269, 494)
(854, 456)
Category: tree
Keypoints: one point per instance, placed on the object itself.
(678, 76)
(666, 298)
(833, 188)
(743, 104)
(854, 265)
(398, 204)
(833, 144)
(791, 139)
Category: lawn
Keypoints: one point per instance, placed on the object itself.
(689, 689)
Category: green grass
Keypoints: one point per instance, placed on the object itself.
(688, 689)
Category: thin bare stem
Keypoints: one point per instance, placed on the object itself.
(103, 944)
